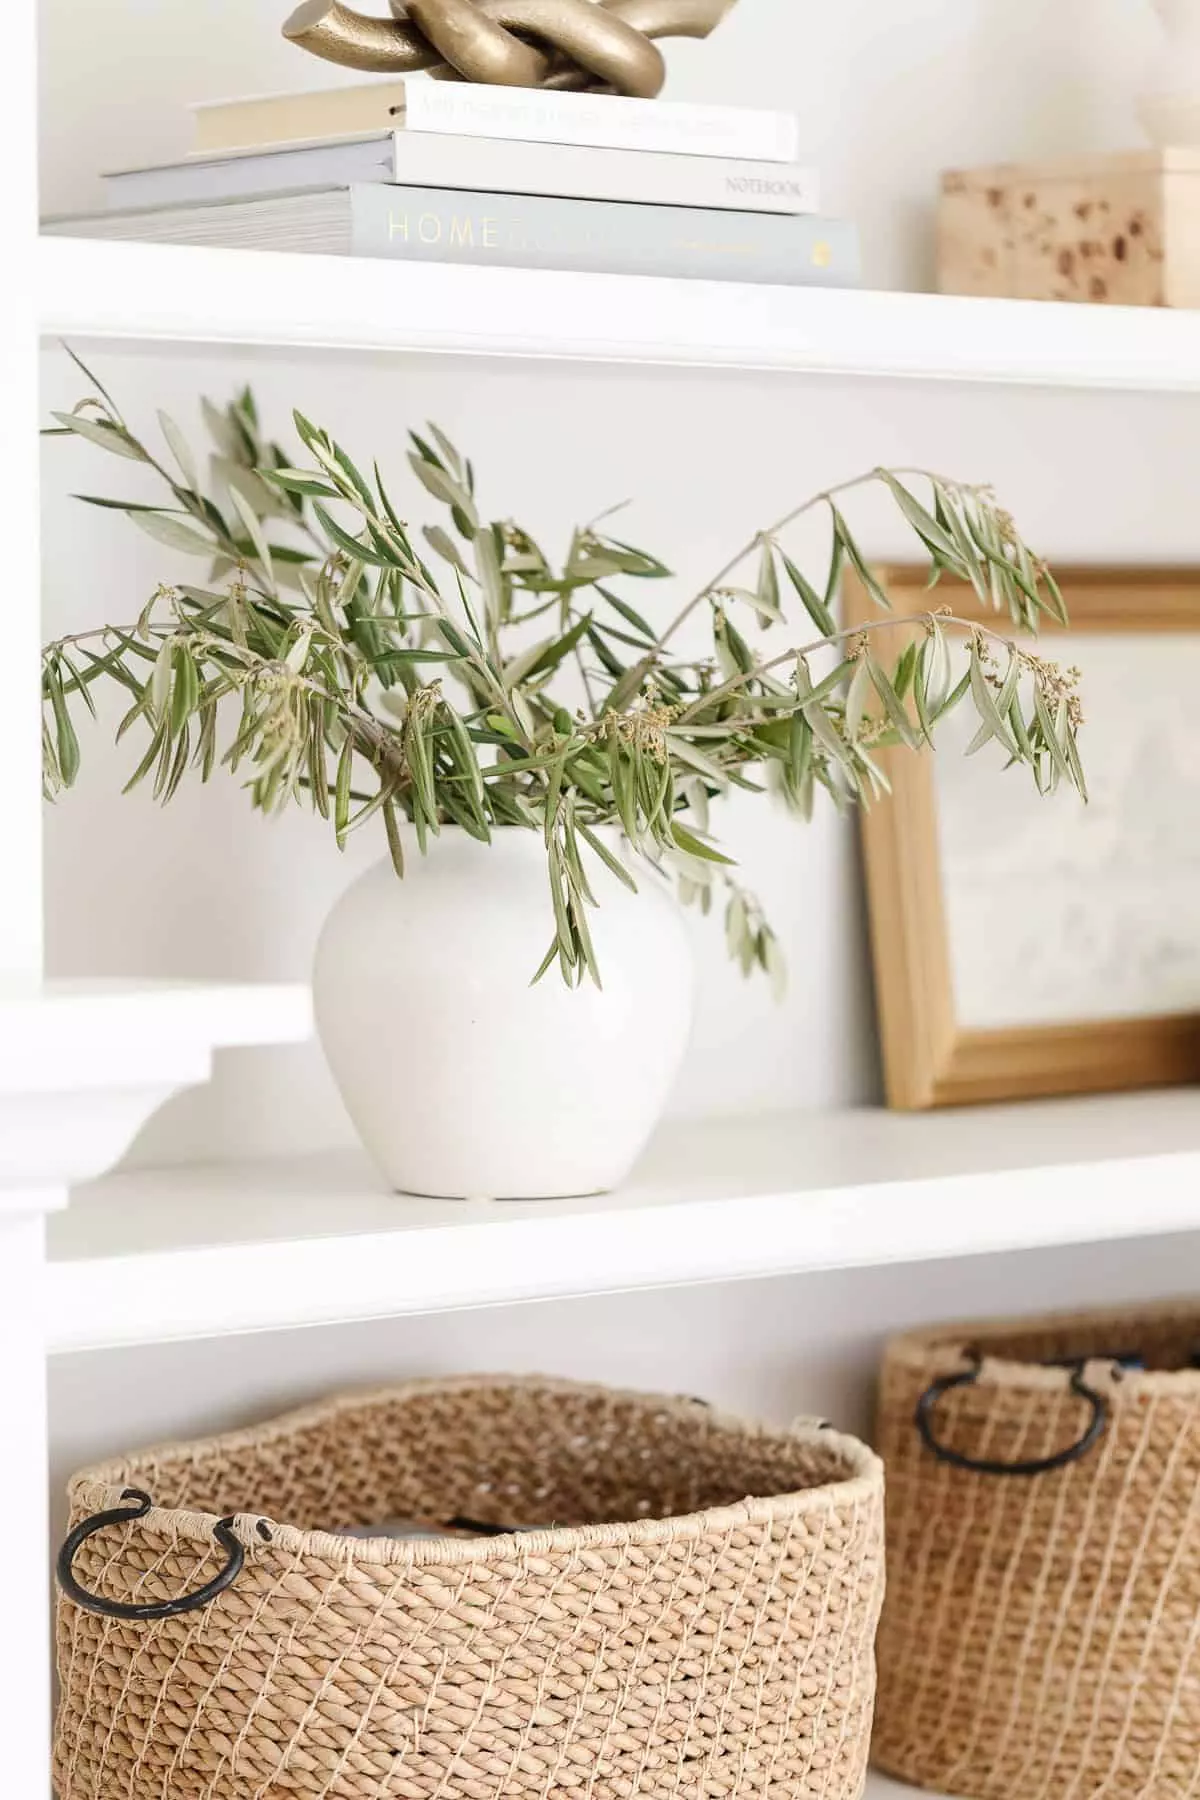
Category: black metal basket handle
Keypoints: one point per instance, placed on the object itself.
(1041, 1465)
(158, 1609)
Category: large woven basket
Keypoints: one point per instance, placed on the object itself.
(1041, 1637)
(663, 1634)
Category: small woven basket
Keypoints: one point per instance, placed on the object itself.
(1041, 1637)
(658, 1633)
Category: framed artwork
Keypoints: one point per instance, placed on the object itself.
(1027, 946)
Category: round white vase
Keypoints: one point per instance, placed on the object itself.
(1170, 109)
(464, 1080)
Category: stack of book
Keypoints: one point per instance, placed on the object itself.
(449, 172)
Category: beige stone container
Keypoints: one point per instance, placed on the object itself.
(1110, 230)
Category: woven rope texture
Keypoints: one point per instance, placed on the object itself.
(1041, 1637)
(663, 1636)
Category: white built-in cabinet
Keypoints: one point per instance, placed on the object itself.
(152, 1262)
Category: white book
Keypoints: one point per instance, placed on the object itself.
(468, 109)
(478, 166)
(600, 121)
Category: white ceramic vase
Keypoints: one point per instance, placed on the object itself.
(1170, 109)
(462, 1079)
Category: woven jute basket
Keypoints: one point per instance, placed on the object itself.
(1041, 1637)
(657, 1633)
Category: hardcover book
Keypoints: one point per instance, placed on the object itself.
(478, 165)
(523, 231)
(263, 120)
(469, 109)
(607, 121)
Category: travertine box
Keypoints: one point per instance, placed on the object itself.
(1114, 230)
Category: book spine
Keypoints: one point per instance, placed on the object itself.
(245, 177)
(573, 172)
(479, 165)
(259, 123)
(600, 121)
(535, 232)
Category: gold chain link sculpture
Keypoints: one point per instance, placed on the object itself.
(593, 45)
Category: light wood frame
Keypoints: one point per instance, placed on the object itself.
(929, 1060)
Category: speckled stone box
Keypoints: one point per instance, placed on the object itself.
(1113, 230)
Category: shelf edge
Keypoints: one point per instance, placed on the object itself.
(157, 1296)
(90, 288)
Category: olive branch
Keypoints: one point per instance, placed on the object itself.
(465, 679)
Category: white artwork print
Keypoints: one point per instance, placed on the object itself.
(1057, 912)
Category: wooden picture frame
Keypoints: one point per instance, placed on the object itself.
(929, 1059)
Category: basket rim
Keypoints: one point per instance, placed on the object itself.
(100, 1485)
(949, 1345)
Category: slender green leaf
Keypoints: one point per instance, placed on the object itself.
(691, 845)
(178, 446)
(922, 521)
(1050, 732)
(185, 687)
(994, 724)
(341, 798)
(816, 608)
(857, 697)
(66, 741)
(611, 862)
(108, 437)
(893, 706)
(158, 738)
(849, 549)
(300, 481)
(166, 529)
(352, 546)
(391, 825)
(444, 487)
(254, 532)
(766, 595)
(441, 541)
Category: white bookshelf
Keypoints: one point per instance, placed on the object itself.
(142, 1258)
(165, 294)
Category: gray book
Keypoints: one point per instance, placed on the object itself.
(522, 231)
(475, 165)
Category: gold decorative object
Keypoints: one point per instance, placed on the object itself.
(593, 45)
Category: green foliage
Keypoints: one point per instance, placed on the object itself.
(469, 681)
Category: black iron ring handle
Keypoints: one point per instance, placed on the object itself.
(1042, 1465)
(159, 1609)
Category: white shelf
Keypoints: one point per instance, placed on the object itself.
(194, 1252)
(92, 289)
(58, 1018)
(83, 1064)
